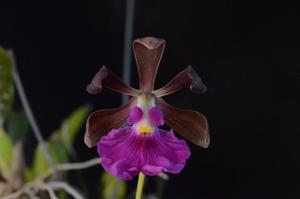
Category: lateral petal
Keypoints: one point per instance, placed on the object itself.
(190, 124)
(99, 123)
(186, 78)
(108, 79)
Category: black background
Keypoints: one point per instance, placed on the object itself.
(247, 53)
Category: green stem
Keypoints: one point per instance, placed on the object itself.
(140, 185)
(28, 111)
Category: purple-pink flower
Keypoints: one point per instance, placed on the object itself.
(129, 138)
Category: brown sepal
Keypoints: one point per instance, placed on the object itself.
(148, 52)
(186, 78)
(106, 78)
(190, 124)
(101, 122)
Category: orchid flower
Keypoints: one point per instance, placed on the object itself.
(141, 145)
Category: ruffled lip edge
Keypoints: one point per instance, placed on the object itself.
(147, 169)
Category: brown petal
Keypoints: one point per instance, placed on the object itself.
(190, 124)
(148, 52)
(106, 78)
(186, 78)
(101, 122)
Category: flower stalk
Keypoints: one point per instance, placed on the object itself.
(140, 186)
(28, 111)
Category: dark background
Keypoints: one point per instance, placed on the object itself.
(246, 53)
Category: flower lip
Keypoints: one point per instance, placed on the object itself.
(124, 153)
(144, 127)
(156, 116)
(135, 115)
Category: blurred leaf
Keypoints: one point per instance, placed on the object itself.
(112, 187)
(40, 162)
(6, 153)
(28, 174)
(58, 153)
(17, 125)
(71, 126)
(6, 81)
(60, 142)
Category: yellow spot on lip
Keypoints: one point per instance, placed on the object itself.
(145, 129)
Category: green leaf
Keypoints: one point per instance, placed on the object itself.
(6, 82)
(17, 125)
(58, 154)
(6, 152)
(58, 151)
(40, 162)
(60, 142)
(71, 126)
(112, 187)
(28, 174)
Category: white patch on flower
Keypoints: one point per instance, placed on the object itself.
(145, 102)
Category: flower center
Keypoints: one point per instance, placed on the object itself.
(145, 117)
(144, 126)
